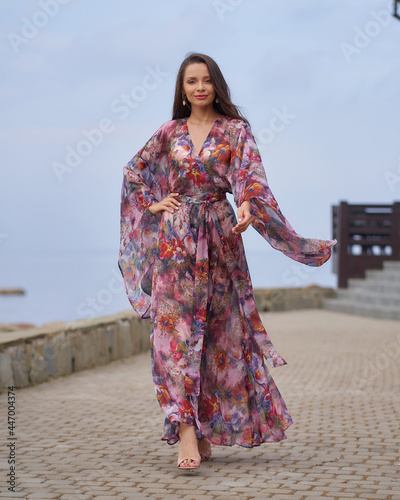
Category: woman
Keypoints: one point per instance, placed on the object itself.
(183, 262)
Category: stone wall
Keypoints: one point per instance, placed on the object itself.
(287, 299)
(32, 356)
(35, 355)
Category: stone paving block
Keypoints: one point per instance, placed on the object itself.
(389, 492)
(311, 494)
(128, 488)
(201, 496)
(139, 496)
(374, 496)
(43, 495)
(232, 495)
(345, 494)
(76, 497)
(159, 491)
(108, 497)
(33, 486)
(283, 497)
(5, 495)
(35, 494)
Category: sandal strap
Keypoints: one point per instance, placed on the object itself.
(196, 463)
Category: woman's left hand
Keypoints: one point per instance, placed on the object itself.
(244, 218)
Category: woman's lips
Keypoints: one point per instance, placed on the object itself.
(200, 96)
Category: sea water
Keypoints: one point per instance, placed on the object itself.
(71, 285)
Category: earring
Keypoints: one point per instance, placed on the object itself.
(217, 100)
(183, 101)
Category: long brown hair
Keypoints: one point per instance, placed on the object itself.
(224, 106)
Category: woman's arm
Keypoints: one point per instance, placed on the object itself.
(244, 218)
(170, 204)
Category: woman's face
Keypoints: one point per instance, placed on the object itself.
(197, 85)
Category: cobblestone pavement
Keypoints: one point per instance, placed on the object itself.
(96, 434)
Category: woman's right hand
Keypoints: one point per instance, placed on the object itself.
(170, 204)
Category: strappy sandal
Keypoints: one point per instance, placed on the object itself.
(194, 465)
(205, 455)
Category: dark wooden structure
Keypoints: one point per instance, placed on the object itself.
(367, 236)
(396, 11)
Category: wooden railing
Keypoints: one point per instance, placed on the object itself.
(367, 236)
(396, 9)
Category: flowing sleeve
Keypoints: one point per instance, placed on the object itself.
(143, 183)
(248, 181)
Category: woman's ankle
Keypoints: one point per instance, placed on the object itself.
(187, 430)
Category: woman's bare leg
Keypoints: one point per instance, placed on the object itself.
(188, 445)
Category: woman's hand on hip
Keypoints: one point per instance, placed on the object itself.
(244, 218)
(170, 204)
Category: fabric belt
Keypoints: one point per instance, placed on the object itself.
(203, 198)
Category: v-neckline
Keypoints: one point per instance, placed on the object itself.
(198, 154)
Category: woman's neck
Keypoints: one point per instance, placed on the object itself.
(202, 116)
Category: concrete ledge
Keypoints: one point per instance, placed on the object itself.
(288, 299)
(29, 357)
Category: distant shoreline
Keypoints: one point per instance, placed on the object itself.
(12, 291)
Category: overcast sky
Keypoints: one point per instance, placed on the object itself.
(319, 82)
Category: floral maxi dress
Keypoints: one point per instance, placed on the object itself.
(187, 271)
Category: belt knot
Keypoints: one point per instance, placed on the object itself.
(204, 198)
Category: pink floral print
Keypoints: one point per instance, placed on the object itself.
(187, 272)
